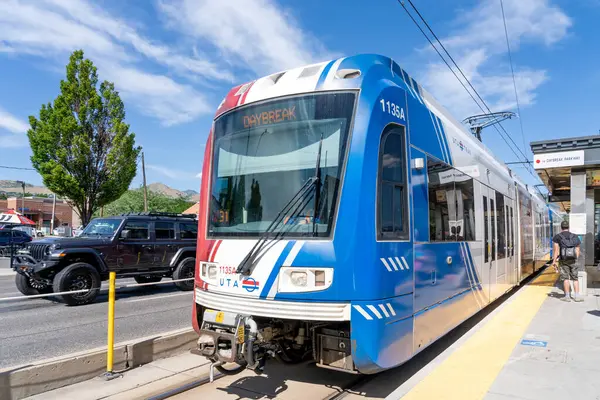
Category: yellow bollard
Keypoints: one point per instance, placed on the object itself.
(111, 327)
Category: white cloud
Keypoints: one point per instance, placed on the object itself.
(199, 175)
(257, 33)
(52, 29)
(12, 123)
(171, 172)
(479, 48)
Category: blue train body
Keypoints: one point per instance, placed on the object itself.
(418, 226)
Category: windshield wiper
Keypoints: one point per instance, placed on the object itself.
(318, 185)
(295, 204)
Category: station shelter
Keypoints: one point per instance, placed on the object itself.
(570, 170)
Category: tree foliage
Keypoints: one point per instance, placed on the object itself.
(81, 145)
(133, 201)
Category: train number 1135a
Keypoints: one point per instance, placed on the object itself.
(393, 109)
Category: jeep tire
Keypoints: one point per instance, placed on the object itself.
(185, 269)
(24, 286)
(78, 276)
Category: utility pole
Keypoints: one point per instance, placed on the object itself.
(53, 212)
(22, 198)
(145, 189)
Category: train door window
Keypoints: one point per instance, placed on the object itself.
(392, 203)
(465, 207)
(512, 233)
(500, 225)
(486, 221)
(493, 228)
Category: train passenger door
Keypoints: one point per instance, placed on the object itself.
(489, 238)
(510, 240)
(502, 280)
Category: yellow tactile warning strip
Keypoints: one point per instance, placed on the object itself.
(468, 373)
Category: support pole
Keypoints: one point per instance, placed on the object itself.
(111, 328)
(145, 189)
(53, 213)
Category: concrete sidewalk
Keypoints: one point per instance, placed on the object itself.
(559, 357)
(139, 383)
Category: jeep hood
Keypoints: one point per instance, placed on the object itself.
(66, 243)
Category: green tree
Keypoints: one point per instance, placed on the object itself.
(81, 145)
(133, 201)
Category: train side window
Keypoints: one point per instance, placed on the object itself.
(451, 203)
(392, 203)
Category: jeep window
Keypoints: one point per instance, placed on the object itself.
(188, 231)
(164, 230)
(137, 229)
(101, 227)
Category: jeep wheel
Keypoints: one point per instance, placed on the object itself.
(24, 286)
(185, 270)
(78, 276)
(147, 279)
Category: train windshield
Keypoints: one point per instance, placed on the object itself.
(263, 157)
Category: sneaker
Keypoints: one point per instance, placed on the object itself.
(577, 299)
(565, 298)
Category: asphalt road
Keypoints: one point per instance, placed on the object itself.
(36, 329)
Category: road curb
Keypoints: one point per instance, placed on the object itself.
(31, 379)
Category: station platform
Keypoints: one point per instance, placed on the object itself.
(529, 345)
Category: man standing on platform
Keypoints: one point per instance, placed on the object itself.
(566, 249)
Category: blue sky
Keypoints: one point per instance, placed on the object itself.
(174, 60)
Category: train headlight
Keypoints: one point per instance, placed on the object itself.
(304, 279)
(299, 278)
(212, 272)
(208, 272)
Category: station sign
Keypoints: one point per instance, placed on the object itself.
(561, 159)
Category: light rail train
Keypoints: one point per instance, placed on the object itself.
(347, 217)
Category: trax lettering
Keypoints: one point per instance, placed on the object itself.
(270, 117)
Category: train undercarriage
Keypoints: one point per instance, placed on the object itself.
(248, 342)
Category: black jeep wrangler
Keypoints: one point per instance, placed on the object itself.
(145, 246)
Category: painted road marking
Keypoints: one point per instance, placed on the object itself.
(469, 371)
(156, 297)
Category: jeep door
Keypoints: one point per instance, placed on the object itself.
(135, 248)
(165, 245)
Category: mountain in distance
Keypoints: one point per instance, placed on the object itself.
(13, 188)
(158, 187)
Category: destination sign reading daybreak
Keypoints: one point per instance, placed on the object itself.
(270, 117)
(275, 113)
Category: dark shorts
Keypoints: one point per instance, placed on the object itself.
(568, 271)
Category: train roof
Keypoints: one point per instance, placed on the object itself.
(350, 73)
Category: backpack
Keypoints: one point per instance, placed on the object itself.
(568, 244)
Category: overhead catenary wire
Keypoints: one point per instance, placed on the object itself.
(481, 100)
(513, 75)
(19, 168)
